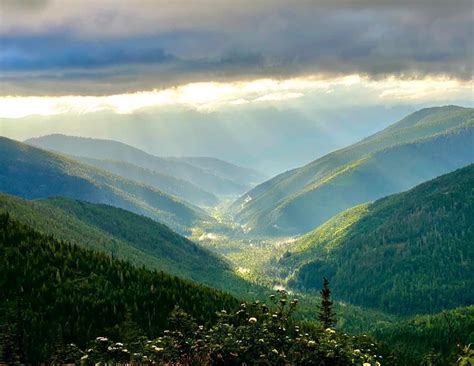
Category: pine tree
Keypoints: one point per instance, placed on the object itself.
(326, 315)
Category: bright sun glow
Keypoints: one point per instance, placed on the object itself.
(214, 95)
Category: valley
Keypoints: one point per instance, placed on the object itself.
(236, 183)
(388, 221)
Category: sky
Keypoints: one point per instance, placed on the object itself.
(142, 58)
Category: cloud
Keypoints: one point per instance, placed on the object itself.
(107, 47)
(211, 96)
(53, 51)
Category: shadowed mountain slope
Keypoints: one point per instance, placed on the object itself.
(124, 235)
(166, 183)
(211, 175)
(30, 172)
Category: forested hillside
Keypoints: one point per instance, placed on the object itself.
(166, 183)
(430, 339)
(212, 175)
(422, 146)
(55, 293)
(127, 236)
(64, 303)
(32, 173)
(408, 253)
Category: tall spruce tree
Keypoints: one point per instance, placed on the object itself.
(326, 315)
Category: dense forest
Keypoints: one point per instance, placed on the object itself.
(406, 254)
(437, 339)
(63, 303)
(55, 293)
(125, 235)
(60, 299)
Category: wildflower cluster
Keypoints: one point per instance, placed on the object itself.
(254, 334)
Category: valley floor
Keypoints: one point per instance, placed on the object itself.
(255, 259)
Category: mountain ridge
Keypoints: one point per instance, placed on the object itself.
(210, 180)
(261, 208)
(177, 187)
(31, 172)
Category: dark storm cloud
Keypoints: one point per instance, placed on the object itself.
(58, 51)
(134, 45)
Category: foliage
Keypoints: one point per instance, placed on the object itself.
(255, 334)
(466, 356)
(128, 236)
(440, 339)
(55, 293)
(406, 254)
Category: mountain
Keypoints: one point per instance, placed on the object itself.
(125, 235)
(409, 253)
(166, 183)
(223, 169)
(212, 175)
(31, 173)
(55, 293)
(268, 138)
(420, 147)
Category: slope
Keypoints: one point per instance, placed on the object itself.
(70, 294)
(428, 143)
(408, 253)
(124, 235)
(429, 337)
(166, 183)
(210, 180)
(31, 173)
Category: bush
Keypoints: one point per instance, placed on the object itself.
(256, 334)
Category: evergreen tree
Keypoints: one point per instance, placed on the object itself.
(326, 315)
